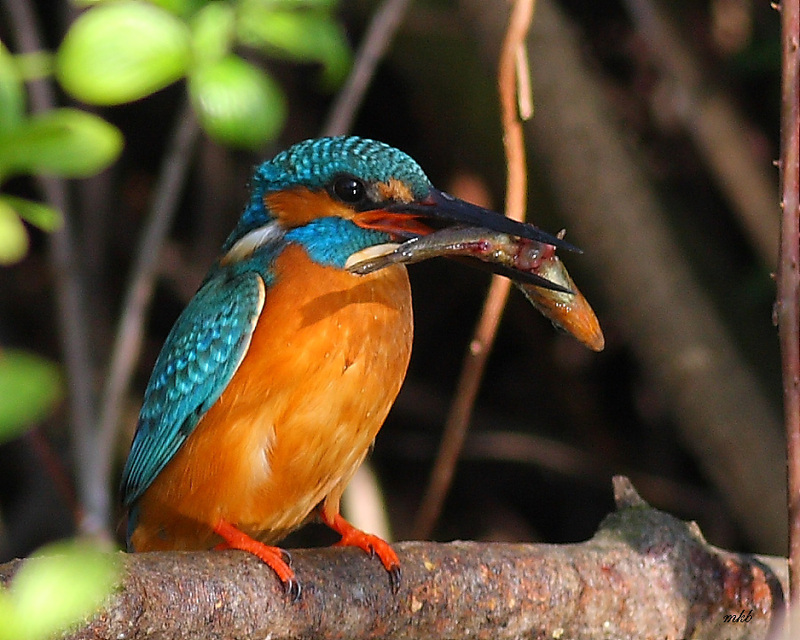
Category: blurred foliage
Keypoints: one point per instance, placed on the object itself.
(124, 50)
(62, 142)
(30, 386)
(61, 585)
(237, 102)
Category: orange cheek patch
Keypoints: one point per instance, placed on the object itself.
(299, 206)
(395, 190)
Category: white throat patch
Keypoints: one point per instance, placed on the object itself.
(370, 253)
(244, 247)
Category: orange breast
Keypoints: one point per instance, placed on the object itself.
(325, 364)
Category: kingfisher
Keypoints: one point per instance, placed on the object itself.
(277, 376)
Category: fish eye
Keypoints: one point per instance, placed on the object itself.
(349, 189)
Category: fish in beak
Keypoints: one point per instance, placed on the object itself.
(444, 226)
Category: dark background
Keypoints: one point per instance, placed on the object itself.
(574, 417)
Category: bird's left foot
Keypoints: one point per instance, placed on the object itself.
(277, 559)
(372, 544)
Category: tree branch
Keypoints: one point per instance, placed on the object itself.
(644, 574)
(787, 311)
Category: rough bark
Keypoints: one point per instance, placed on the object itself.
(644, 574)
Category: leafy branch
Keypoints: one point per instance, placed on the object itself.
(119, 52)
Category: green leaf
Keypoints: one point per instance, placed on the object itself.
(305, 36)
(122, 51)
(176, 7)
(63, 142)
(8, 617)
(13, 247)
(12, 93)
(284, 5)
(182, 8)
(62, 586)
(237, 103)
(30, 386)
(34, 65)
(39, 215)
(212, 32)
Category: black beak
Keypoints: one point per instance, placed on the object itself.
(440, 209)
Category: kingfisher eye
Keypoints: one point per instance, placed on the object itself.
(349, 189)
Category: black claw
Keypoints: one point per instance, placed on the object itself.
(394, 578)
(293, 589)
(287, 557)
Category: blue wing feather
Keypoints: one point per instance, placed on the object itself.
(199, 358)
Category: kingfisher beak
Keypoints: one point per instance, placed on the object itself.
(440, 210)
(448, 210)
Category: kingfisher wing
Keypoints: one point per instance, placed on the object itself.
(198, 360)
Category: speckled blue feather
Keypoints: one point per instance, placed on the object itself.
(199, 357)
(331, 241)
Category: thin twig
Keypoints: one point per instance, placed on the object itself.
(128, 342)
(69, 284)
(475, 360)
(513, 137)
(525, 90)
(788, 312)
(381, 31)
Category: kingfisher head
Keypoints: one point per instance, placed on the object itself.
(345, 195)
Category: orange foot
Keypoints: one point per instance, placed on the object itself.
(373, 545)
(277, 559)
